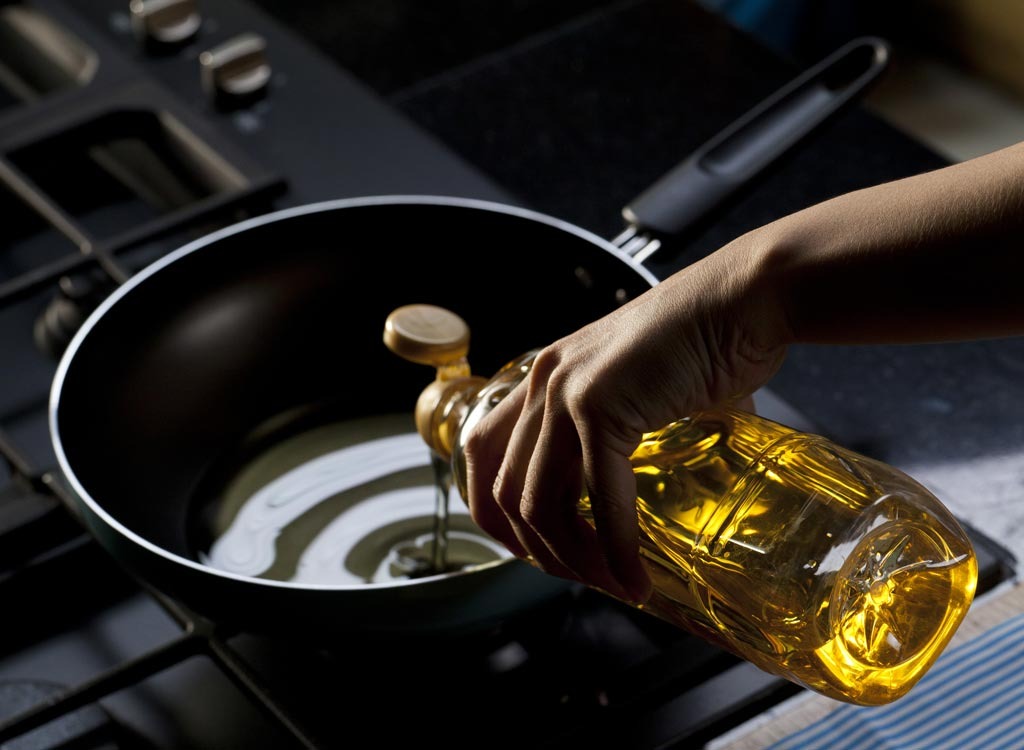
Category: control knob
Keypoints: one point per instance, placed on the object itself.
(236, 72)
(165, 23)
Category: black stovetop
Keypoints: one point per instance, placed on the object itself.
(571, 110)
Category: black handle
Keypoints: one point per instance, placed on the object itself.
(711, 174)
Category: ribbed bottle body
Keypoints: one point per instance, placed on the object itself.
(813, 562)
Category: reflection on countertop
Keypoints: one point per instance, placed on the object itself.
(951, 415)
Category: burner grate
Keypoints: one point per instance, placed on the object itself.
(42, 545)
(89, 728)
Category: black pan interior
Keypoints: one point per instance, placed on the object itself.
(290, 314)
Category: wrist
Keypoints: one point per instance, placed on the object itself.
(739, 298)
(760, 265)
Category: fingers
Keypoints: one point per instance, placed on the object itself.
(615, 515)
(517, 472)
(525, 465)
(550, 503)
(495, 480)
(485, 453)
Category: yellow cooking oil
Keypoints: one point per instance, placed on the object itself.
(827, 567)
(813, 562)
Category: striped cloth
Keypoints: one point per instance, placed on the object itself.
(971, 699)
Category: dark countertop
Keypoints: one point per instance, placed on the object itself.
(578, 108)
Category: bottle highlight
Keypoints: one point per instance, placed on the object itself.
(826, 567)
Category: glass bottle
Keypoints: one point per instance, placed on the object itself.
(829, 568)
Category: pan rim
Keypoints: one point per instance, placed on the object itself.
(99, 314)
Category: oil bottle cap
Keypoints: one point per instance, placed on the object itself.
(427, 334)
(431, 335)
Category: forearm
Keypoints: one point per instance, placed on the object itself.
(937, 256)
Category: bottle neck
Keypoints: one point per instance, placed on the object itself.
(441, 409)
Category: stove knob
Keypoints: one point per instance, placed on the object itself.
(164, 23)
(59, 321)
(236, 72)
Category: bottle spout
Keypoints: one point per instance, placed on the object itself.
(435, 336)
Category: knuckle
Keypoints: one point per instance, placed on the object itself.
(586, 402)
(534, 515)
(474, 445)
(572, 394)
(507, 499)
(545, 363)
(549, 517)
(481, 438)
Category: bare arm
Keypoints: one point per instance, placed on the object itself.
(931, 257)
(937, 256)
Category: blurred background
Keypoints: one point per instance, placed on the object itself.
(956, 83)
(957, 80)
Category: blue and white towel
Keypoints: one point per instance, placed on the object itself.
(971, 699)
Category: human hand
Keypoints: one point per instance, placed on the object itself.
(710, 334)
(873, 265)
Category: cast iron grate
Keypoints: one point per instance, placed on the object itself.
(594, 671)
(198, 636)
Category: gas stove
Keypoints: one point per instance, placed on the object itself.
(125, 131)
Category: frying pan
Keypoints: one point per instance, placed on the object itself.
(278, 320)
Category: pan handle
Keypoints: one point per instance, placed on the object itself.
(708, 177)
